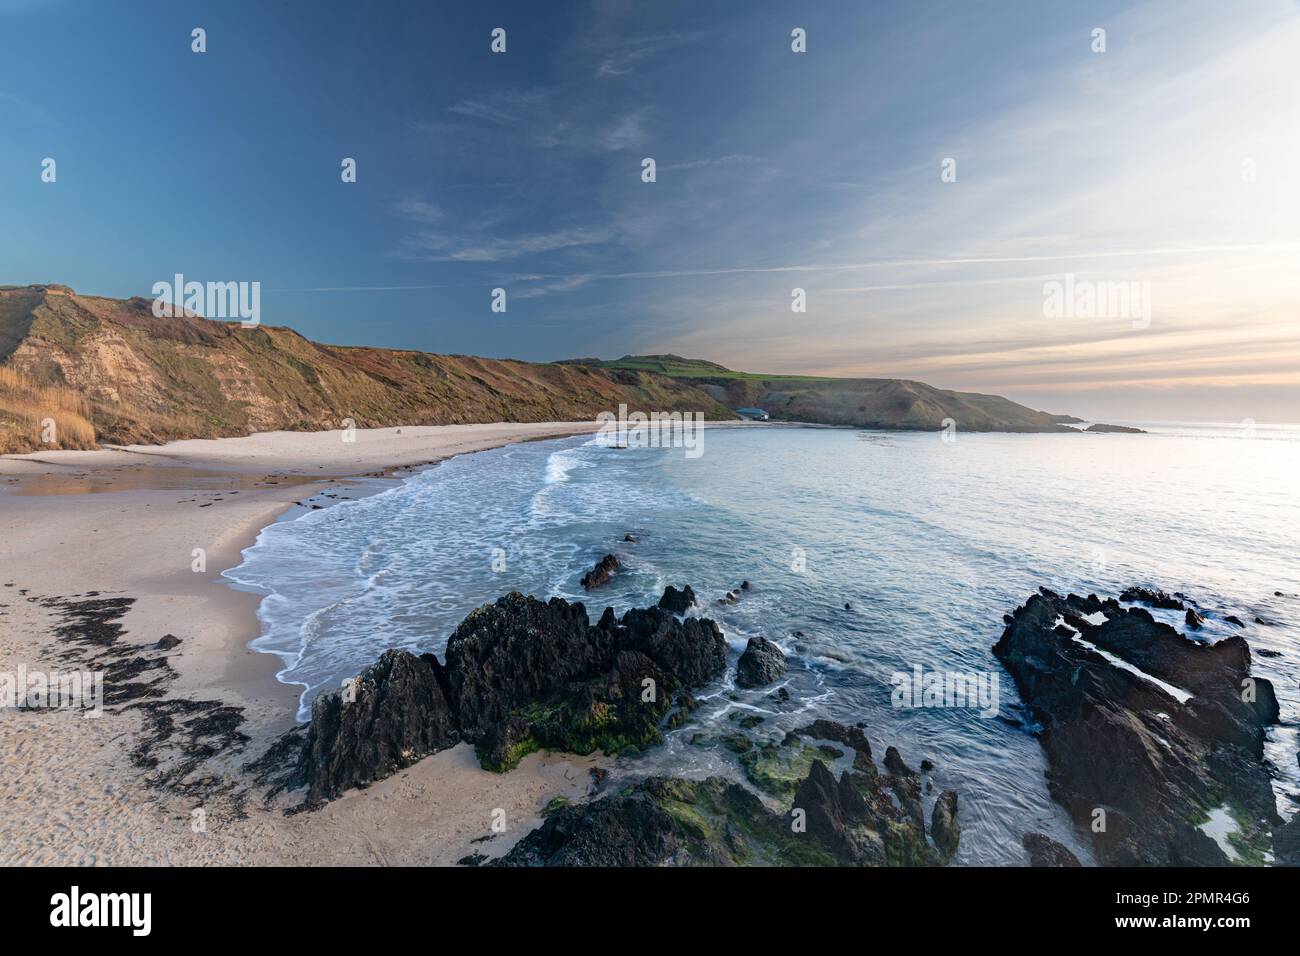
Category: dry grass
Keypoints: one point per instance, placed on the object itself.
(28, 410)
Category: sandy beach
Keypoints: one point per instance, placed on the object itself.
(125, 523)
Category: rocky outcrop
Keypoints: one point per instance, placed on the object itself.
(1044, 851)
(864, 817)
(520, 674)
(894, 763)
(677, 602)
(1140, 759)
(1286, 843)
(389, 717)
(944, 828)
(1140, 595)
(601, 573)
(760, 664)
(515, 651)
(1156, 598)
(1115, 429)
(849, 821)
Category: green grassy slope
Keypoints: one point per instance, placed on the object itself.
(862, 402)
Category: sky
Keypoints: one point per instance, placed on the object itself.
(1169, 162)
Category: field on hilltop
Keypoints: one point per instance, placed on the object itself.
(860, 402)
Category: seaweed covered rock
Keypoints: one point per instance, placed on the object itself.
(525, 675)
(864, 817)
(850, 821)
(659, 822)
(853, 737)
(665, 821)
(518, 650)
(1151, 750)
(520, 674)
(392, 715)
(610, 694)
(760, 664)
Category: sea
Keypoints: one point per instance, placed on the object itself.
(871, 557)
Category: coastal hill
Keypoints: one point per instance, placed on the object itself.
(108, 371)
(863, 402)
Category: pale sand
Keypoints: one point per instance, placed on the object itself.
(124, 523)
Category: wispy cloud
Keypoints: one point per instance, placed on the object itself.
(729, 160)
(417, 210)
(23, 106)
(504, 108)
(625, 57)
(624, 132)
(441, 247)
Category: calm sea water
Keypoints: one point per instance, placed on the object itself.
(930, 542)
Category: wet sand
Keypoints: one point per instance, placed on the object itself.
(126, 523)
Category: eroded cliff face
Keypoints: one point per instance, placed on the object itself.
(148, 379)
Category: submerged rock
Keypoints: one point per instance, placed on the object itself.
(1286, 843)
(1044, 851)
(895, 765)
(601, 573)
(822, 729)
(944, 828)
(1147, 759)
(1193, 620)
(1154, 598)
(761, 663)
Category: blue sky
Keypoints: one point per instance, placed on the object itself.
(775, 170)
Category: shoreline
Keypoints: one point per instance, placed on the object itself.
(85, 527)
(102, 527)
(278, 471)
(303, 468)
